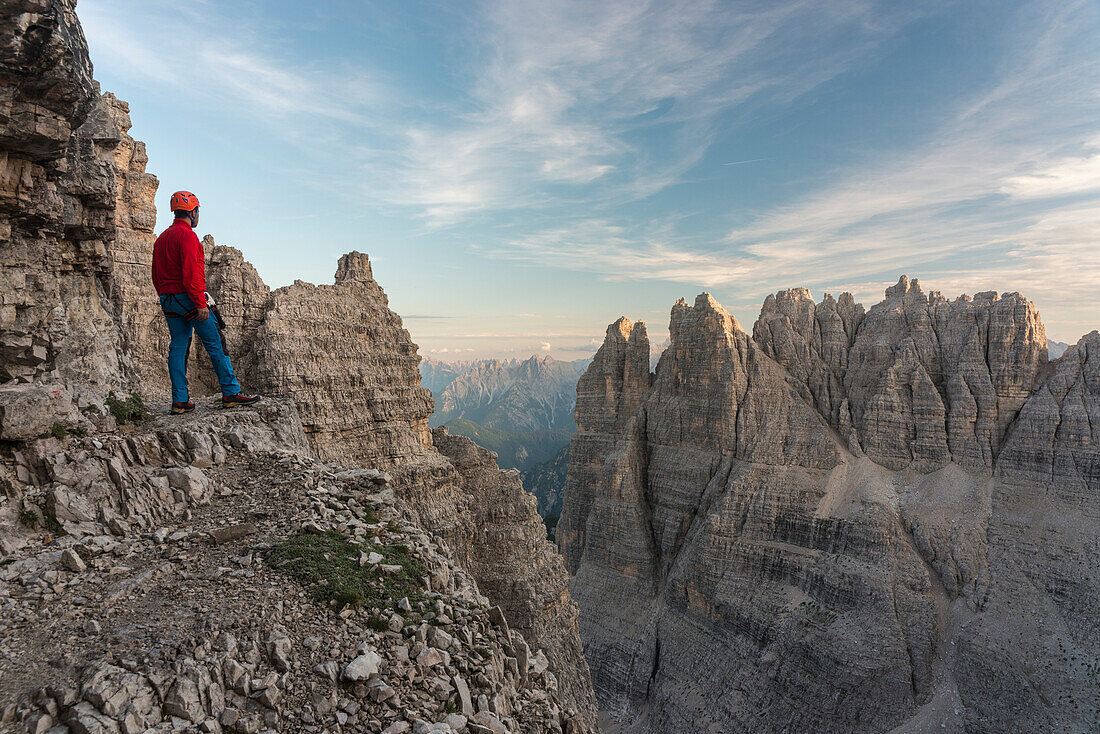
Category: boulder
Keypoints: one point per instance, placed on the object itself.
(362, 667)
(192, 482)
(72, 561)
(70, 506)
(31, 410)
(183, 700)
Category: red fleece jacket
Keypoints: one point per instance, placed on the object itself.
(178, 263)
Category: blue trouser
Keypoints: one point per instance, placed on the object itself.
(180, 329)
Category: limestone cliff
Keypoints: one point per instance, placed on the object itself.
(57, 196)
(838, 523)
(922, 381)
(78, 319)
(343, 356)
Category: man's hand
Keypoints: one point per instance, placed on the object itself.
(202, 314)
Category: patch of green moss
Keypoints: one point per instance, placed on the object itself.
(327, 565)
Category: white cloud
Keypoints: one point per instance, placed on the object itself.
(571, 86)
(1070, 175)
(544, 346)
(210, 59)
(610, 250)
(980, 202)
(1002, 195)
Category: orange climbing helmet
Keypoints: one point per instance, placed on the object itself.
(184, 200)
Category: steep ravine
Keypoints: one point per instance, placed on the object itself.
(854, 520)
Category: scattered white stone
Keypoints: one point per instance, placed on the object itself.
(362, 667)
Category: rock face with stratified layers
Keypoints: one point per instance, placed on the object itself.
(79, 318)
(344, 357)
(57, 202)
(853, 520)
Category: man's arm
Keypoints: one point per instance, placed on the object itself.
(194, 270)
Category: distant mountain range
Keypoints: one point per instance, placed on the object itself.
(1056, 349)
(520, 409)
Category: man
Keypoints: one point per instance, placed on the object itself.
(179, 275)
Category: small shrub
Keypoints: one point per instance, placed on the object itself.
(132, 409)
(28, 518)
(347, 598)
(377, 624)
(51, 523)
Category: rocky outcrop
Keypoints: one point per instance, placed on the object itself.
(835, 524)
(172, 605)
(344, 357)
(78, 319)
(921, 381)
(57, 196)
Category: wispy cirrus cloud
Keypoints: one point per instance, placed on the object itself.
(1003, 193)
(572, 135)
(572, 89)
(619, 253)
(209, 58)
(1064, 176)
(558, 104)
(1007, 191)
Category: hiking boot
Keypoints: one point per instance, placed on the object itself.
(232, 401)
(178, 408)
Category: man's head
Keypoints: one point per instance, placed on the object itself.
(185, 205)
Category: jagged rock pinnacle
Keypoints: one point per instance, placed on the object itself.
(845, 491)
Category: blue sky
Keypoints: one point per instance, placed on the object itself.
(523, 173)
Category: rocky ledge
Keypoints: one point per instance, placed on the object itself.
(202, 573)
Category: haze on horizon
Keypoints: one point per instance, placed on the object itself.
(523, 173)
